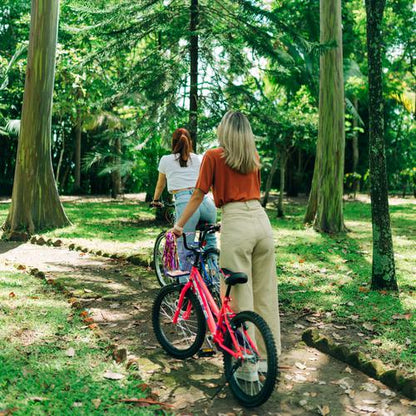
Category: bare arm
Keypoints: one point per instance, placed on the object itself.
(193, 204)
(160, 186)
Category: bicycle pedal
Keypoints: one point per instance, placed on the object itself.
(206, 352)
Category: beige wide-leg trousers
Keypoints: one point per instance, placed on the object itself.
(247, 246)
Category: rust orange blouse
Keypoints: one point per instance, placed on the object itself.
(228, 185)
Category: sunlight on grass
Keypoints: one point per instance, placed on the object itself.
(315, 271)
(37, 376)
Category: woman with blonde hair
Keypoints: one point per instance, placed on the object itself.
(179, 171)
(233, 172)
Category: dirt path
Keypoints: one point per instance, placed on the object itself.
(119, 297)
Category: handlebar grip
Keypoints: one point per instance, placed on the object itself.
(185, 242)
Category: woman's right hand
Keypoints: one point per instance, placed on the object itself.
(156, 204)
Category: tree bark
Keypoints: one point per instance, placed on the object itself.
(194, 55)
(61, 156)
(115, 175)
(329, 213)
(78, 138)
(283, 161)
(35, 200)
(270, 180)
(355, 150)
(383, 268)
(313, 195)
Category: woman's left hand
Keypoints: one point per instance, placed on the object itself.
(178, 231)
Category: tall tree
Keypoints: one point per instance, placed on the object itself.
(35, 200)
(193, 55)
(383, 271)
(325, 202)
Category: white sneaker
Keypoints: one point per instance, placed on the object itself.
(248, 372)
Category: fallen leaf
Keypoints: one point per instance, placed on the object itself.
(363, 289)
(84, 313)
(348, 370)
(146, 402)
(21, 267)
(373, 402)
(113, 376)
(371, 388)
(88, 320)
(38, 399)
(92, 326)
(406, 316)
(12, 295)
(300, 366)
(96, 403)
(77, 404)
(340, 326)
(301, 261)
(368, 327)
(88, 291)
(367, 409)
(351, 393)
(70, 352)
(324, 410)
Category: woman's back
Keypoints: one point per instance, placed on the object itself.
(177, 176)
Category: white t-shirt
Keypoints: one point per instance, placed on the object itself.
(178, 177)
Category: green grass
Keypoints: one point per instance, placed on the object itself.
(331, 276)
(328, 275)
(36, 375)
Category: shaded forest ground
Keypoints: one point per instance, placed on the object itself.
(328, 276)
(323, 281)
(52, 362)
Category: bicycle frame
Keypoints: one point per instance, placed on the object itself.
(218, 320)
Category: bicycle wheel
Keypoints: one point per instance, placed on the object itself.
(185, 338)
(160, 271)
(252, 381)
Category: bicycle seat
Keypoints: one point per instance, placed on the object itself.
(236, 278)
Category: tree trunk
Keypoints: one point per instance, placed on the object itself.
(329, 215)
(269, 181)
(355, 150)
(383, 270)
(115, 175)
(193, 53)
(283, 160)
(35, 200)
(78, 137)
(313, 195)
(61, 156)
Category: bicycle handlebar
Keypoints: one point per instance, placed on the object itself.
(207, 229)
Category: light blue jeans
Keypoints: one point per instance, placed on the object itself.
(205, 213)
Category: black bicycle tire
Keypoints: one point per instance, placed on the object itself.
(201, 324)
(271, 375)
(158, 265)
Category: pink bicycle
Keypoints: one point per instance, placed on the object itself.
(181, 314)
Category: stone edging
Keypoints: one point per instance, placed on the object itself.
(394, 379)
(137, 259)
